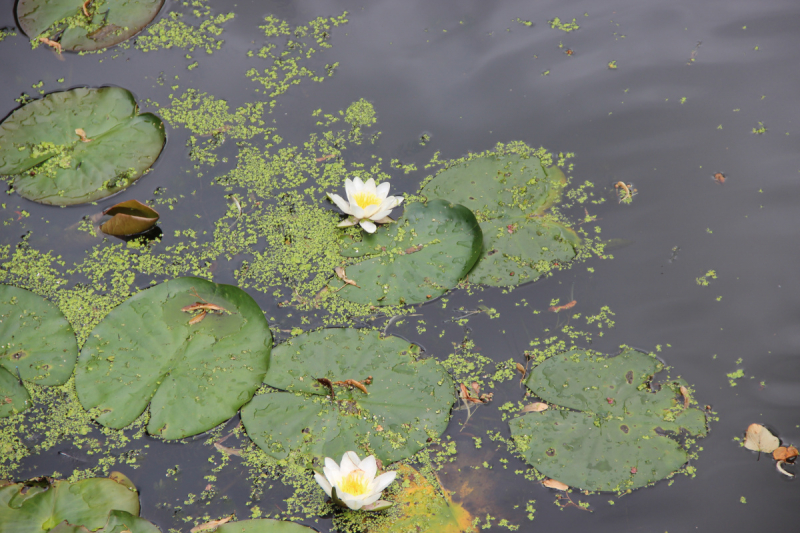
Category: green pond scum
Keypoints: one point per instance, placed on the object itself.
(279, 237)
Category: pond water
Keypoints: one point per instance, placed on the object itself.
(698, 88)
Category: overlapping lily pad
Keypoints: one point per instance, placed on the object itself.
(614, 432)
(194, 350)
(78, 146)
(42, 504)
(510, 193)
(37, 344)
(426, 253)
(86, 26)
(408, 399)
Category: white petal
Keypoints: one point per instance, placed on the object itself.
(384, 220)
(397, 200)
(371, 210)
(357, 211)
(353, 456)
(340, 203)
(331, 465)
(369, 186)
(358, 185)
(347, 465)
(376, 217)
(323, 483)
(370, 467)
(351, 502)
(332, 475)
(349, 189)
(382, 481)
(368, 226)
(383, 190)
(346, 223)
(372, 498)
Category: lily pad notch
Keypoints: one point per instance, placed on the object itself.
(339, 390)
(37, 345)
(79, 145)
(193, 350)
(613, 429)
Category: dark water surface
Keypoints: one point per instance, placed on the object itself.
(469, 76)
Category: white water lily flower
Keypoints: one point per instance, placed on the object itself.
(366, 203)
(355, 482)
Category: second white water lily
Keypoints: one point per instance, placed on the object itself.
(354, 482)
(366, 203)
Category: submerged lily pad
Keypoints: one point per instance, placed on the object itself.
(118, 522)
(42, 504)
(516, 250)
(194, 350)
(420, 507)
(509, 193)
(86, 26)
(78, 146)
(263, 525)
(129, 218)
(407, 401)
(37, 344)
(612, 433)
(423, 255)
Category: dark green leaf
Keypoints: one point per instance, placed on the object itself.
(408, 399)
(420, 257)
(194, 375)
(118, 522)
(613, 440)
(39, 144)
(109, 22)
(129, 218)
(263, 525)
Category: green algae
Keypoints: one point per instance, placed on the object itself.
(171, 31)
(7, 32)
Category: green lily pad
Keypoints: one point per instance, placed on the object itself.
(408, 399)
(37, 344)
(262, 525)
(129, 218)
(118, 522)
(108, 22)
(614, 433)
(517, 250)
(510, 192)
(194, 372)
(499, 185)
(42, 504)
(422, 256)
(53, 165)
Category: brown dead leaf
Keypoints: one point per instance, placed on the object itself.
(536, 407)
(553, 484)
(198, 318)
(686, 398)
(324, 158)
(759, 439)
(327, 383)
(353, 383)
(413, 249)
(343, 276)
(82, 134)
(466, 396)
(521, 370)
(783, 453)
(226, 450)
(210, 525)
(52, 44)
(204, 306)
(85, 8)
(476, 388)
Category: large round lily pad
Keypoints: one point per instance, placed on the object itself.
(42, 504)
(408, 399)
(159, 348)
(426, 253)
(85, 27)
(614, 432)
(516, 250)
(263, 525)
(78, 146)
(510, 193)
(37, 344)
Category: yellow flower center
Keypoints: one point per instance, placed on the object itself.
(365, 199)
(355, 483)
